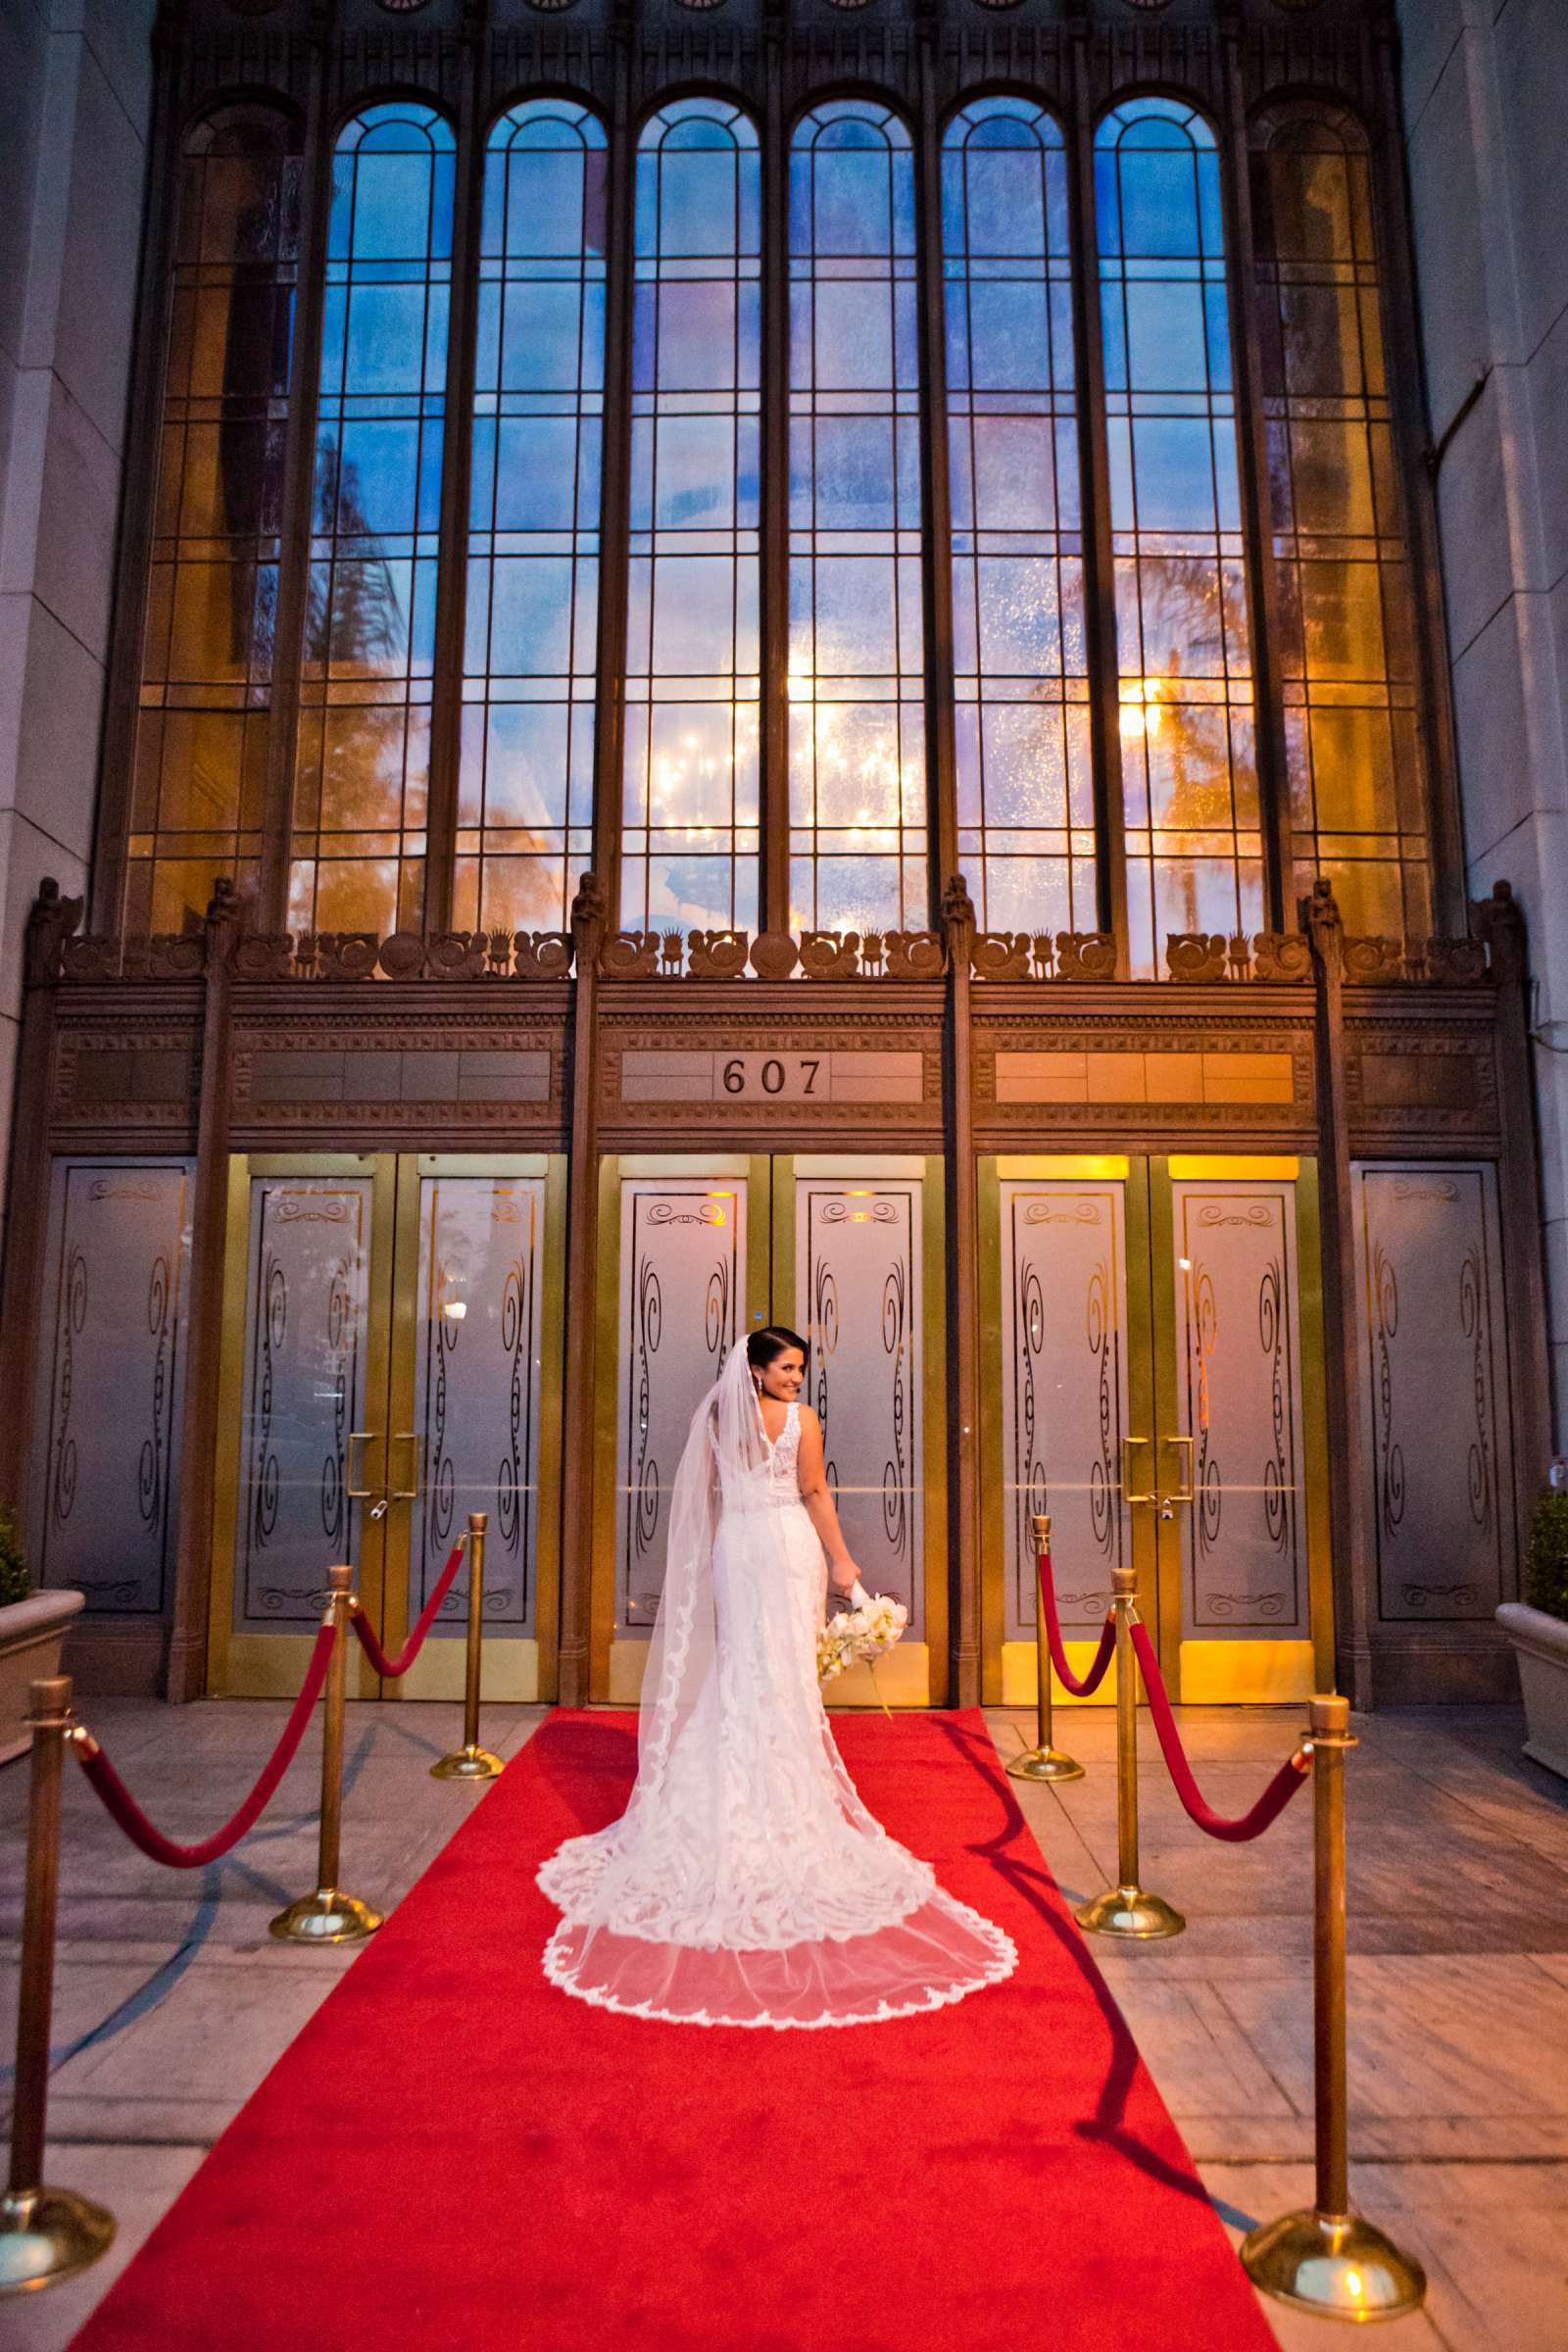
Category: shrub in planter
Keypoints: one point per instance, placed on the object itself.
(1546, 1560)
(15, 1582)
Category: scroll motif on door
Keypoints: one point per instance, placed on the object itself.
(859, 1301)
(1065, 1391)
(1232, 1467)
(682, 1296)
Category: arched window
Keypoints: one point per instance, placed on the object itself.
(1355, 757)
(204, 723)
(526, 774)
(1025, 790)
(859, 853)
(362, 771)
(691, 841)
(1195, 851)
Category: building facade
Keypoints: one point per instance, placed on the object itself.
(779, 663)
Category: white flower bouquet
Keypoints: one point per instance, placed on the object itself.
(864, 1633)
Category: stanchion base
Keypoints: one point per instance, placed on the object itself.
(1336, 2265)
(326, 1917)
(468, 1764)
(49, 2233)
(1130, 1911)
(1045, 1764)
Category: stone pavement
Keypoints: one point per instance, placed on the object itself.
(171, 2001)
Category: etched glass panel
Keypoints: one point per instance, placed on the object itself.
(304, 1397)
(682, 1297)
(689, 844)
(857, 648)
(362, 771)
(858, 1302)
(1064, 1393)
(477, 1391)
(527, 771)
(1195, 846)
(1239, 1412)
(205, 715)
(1026, 815)
(1355, 757)
(111, 1381)
(1435, 1380)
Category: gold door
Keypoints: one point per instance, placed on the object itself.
(694, 1251)
(1154, 1380)
(390, 1364)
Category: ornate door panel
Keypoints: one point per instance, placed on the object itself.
(387, 1325)
(1231, 1456)
(1435, 1377)
(475, 1321)
(1065, 1397)
(680, 1301)
(112, 1370)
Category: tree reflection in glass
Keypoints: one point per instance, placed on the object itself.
(690, 841)
(526, 778)
(1025, 790)
(1192, 824)
(362, 779)
(856, 650)
(199, 779)
(1356, 759)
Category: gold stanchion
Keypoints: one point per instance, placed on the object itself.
(1127, 1909)
(1329, 2259)
(472, 1762)
(329, 1916)
(45, 2234)
(1043, 1761)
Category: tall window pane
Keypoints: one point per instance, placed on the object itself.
(363, 775)
(857, 658)
(690, 841)
(1025, 790)
(1195, 852)
(1357, 760)
(525, 780)
(202, 732)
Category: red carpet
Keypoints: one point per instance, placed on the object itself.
(455, 2157)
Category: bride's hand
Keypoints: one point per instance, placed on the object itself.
(845, 1575)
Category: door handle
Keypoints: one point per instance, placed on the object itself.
(1127, 1493)
(359, 1437)
(410, 1439)
(1168, 1502)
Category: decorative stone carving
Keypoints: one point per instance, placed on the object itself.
(455, 955)
(774, 956)
(629, 956)
(826, 956)
(264, 956)
(540, 955)
(50, 924)
(1373, 959)
(346, 955)
(1282, 955)
(1458, 962)
(1086, 956)
(1500, 921)
(716, 954)
(914, 954)
(1001, 955)
(1196, 954)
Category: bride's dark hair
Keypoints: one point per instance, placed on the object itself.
(763, 1347)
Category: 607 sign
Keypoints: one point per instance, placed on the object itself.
(782, 1077)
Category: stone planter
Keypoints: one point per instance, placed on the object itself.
(31, 1632)
(1541, 1645)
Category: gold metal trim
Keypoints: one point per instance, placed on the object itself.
(1112, 1167)
(1233, 1167)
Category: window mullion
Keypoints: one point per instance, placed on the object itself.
(941, 814)
(609, 701)
(774, 893)
(299, 490)
(1258, 535)
(452, 569)
(1100, 571)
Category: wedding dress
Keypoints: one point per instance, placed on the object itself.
(746, 1884)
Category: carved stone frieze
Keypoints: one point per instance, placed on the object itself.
(1419, 1078)
(856, 1036)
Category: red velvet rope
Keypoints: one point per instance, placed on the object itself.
(391, 1668)
(122, 1808)
(1269, 1807)
(1058, 1656)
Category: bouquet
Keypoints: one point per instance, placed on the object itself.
(865, 1631)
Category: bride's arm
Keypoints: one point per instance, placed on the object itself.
(817, 1497)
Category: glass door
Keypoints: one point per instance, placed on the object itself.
(694, 1252)
(1155, 1383)
(388, 1322)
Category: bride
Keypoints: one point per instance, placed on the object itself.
(746, 1884)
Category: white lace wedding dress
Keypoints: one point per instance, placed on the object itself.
(747, 1883)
